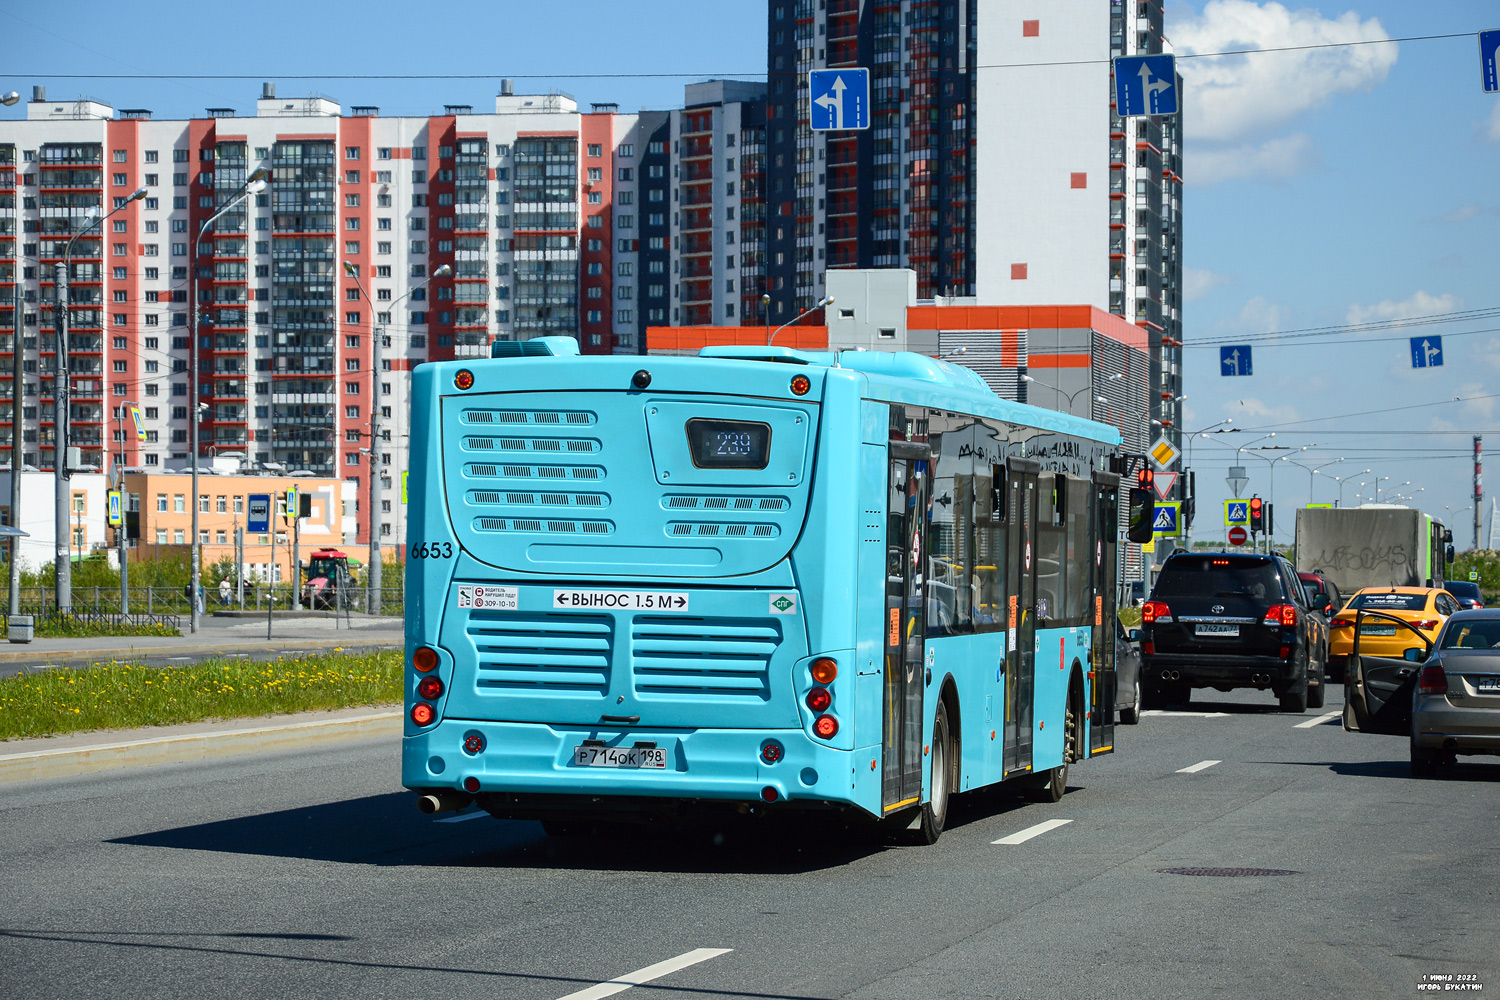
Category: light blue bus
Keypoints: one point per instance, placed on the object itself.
(758, 579)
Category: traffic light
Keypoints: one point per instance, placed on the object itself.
(1257, 515)
(1144, 478)
(1270, 519)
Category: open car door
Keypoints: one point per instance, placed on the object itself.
(1378, 689)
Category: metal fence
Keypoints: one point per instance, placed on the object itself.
(174, 600)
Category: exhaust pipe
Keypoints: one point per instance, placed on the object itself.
(437, 802)
(1176, 675)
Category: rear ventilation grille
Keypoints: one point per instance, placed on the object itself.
(725, 503)
(506, 498)
(559, 654)
(513, 445)
(537, 418)
(583, 473)
(547, 525)
(700, 529)
(711, 658)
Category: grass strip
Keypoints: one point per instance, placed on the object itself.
(73, 627)
(124, 696)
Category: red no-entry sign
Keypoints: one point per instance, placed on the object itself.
(1238, 535)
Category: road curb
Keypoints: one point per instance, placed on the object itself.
(128, 655)
(52, 764)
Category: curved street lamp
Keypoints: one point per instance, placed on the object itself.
(254, 184)
(822, 303)
(377, 341)
(62, 578)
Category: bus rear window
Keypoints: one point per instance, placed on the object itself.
(729, 444)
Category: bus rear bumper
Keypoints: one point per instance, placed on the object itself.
(531, 769)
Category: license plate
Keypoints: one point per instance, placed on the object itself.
(1487, 685)
(1378, 630)
(1218, 630)
(655, 757)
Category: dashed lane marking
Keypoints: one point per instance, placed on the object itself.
(1320, 720)
(464, 817)
(1202, 765)
(1021, 836)
(1186, 715)
(648, 974)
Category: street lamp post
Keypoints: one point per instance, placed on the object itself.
(1270, 489)
(1071, 395)
(255, 183)
(1218, 428)
(823, 303)
(1344, 481)
(62, 491)
(377, 339)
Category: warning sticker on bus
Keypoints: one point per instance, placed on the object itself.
(481, 597)
(621, 600)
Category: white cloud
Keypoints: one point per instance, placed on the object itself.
(1260, 315)
(1256, 411)
(1465, 213)
(1274, 159)
(1492, 124)
(1198, 282)
(1420, 304)
(1230, 98)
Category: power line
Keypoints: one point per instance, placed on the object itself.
(1335, 332)
(695, 76)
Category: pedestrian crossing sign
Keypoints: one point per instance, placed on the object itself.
(115, 516)
(1236, 512)
(1167, 522)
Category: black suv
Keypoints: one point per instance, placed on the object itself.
(1226, 620)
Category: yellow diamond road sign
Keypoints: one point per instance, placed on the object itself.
(1164, 453)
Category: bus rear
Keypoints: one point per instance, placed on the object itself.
(601, 609)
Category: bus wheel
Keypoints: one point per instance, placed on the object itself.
(944, 769)
(1055, 782)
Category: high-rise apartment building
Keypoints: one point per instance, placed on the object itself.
(994, 167)
(531, 206)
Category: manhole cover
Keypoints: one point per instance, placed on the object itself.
(1227, 872)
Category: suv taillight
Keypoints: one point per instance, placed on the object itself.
(1155, 611)
(1284, 615)
(1432, 680)
(1341, 623)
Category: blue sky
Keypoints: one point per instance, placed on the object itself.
(1346, 185)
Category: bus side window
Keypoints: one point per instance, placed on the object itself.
(989, 553)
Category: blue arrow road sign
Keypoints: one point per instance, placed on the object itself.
(840, 99)
(1489, 55)
(1235, 360)
(1426, 352)
(1145, 85)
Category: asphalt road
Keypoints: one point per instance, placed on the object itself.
(313, 875)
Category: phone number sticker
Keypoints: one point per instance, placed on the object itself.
(482, 597)
(622, 600)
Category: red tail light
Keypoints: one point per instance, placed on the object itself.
(422, 714)
(1284, 615)
(424, 659)
(826, 726)
(430, 688)
(818, 699)
(1432, 680)
(1341, 623)
(1428, 623)
(1149, 648)
(1155, 611)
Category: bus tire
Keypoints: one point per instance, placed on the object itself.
(1054, 783)
(943, 772)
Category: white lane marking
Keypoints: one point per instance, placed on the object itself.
(1327, 717)
(1187, 715)
(463, 817)
(1202, 765)
(646, 975)
(1021, 836)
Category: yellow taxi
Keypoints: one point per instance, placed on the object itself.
(1425, 608)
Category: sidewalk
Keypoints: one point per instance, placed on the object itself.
(216, 637)
(73, 754)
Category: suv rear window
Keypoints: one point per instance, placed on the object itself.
(1218, 576)
(1390, 602)
(1463, 589)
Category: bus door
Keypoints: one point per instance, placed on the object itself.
(906, 625)
(1106, 523)
(1020, 614)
